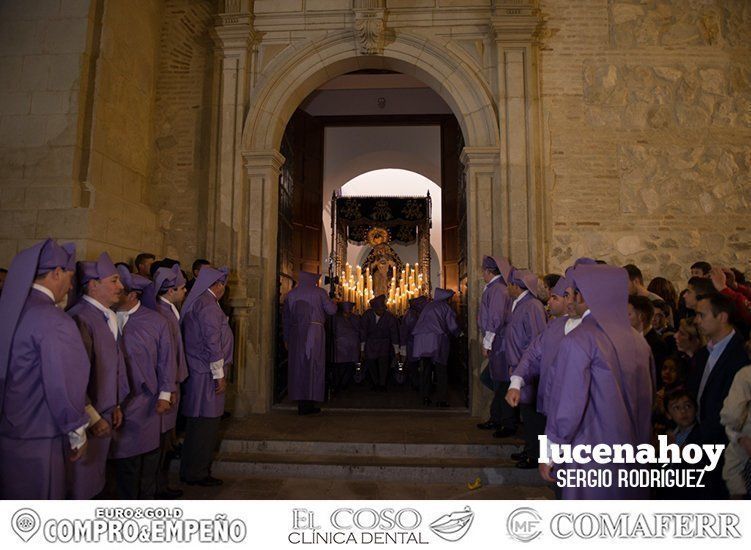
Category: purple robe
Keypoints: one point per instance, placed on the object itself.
(108, 387)
(304, 318)
(436, 324)
(45, 396)
(526, 322)
(408, 323)
(347, 339)
(536, 365)
(169, 419)
(151, 367)
(495, 308)
(208, 339)
(380, 336)
(594, 400)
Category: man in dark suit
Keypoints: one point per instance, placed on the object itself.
(724, 356)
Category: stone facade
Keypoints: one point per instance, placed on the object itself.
(612, 128)
(647, 115)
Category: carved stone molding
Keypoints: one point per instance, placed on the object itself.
(516, 21)
(370, 26)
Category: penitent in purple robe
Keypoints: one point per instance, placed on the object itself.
(108, 387)
(604, 379)
(151, 370)
(408, 323)
(208, 338)
(346, 338)
(304, 317)
(495, 307)
(169, 419)
(379, 335)
(45, 396)
(536, 365)
(527, 321)
(436, 324)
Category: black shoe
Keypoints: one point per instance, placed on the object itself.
(503, 431)
(426, 401)
(310, 410)
(442, 404)
(526, 464)
(169, 494)
(519, 456)
(226, 415)
(208, 481)
(489, 425)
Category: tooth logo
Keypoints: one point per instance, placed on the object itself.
(25, 523)
(452, 527)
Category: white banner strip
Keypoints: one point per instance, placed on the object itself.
(457, 524)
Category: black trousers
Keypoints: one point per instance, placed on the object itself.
(201, 436)
(166, 445)
(379, 370)
(341, 375)
(501, 412)
(427, 368)
(135, 476)
(534, 425)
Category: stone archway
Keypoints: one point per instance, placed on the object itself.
(243, 197)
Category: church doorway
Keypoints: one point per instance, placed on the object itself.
(373, 133)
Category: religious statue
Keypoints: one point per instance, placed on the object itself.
(383, 260)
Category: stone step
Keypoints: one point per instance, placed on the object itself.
(502, 449)
(433, 469)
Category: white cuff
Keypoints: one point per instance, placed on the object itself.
(396, 349)
(77, 438)
(362, 346)
(403, 350)
(517, 382)
(487, 342)
(165, 396)
(94, 416)
(217, 369)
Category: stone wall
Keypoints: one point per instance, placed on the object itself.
(182, 126)
(43, 54)
(77, 101)
(647, 124)
(122, 134)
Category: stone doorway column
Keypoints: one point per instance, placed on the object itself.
(485, 204)
(520, 225)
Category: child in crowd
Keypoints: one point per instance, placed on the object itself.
(680, 408)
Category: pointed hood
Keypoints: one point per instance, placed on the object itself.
(37, 260)
(500, 263)
(164, 278)
(560, 287)
(132, 281)
(443, 294)
(524, 278)
(378, 301)
(206, 277)
(308, 279)
(605, 289)
(418, 303)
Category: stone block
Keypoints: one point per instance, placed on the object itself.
(15, 103)
(74, 8)
(8, 249)
(327, 5)
(64, 35)
(56, 162)
(19, 224)
(277, 6)
(19, 37)
(10, 72)
(35, 73)
(11, 196)
(49, 103)
(65, 71)
(61, 130)
(22, 130)
(49, 198)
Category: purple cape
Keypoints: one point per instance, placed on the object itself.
(304, 315)
(437, 322)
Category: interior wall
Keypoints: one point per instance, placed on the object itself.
(352, 151)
